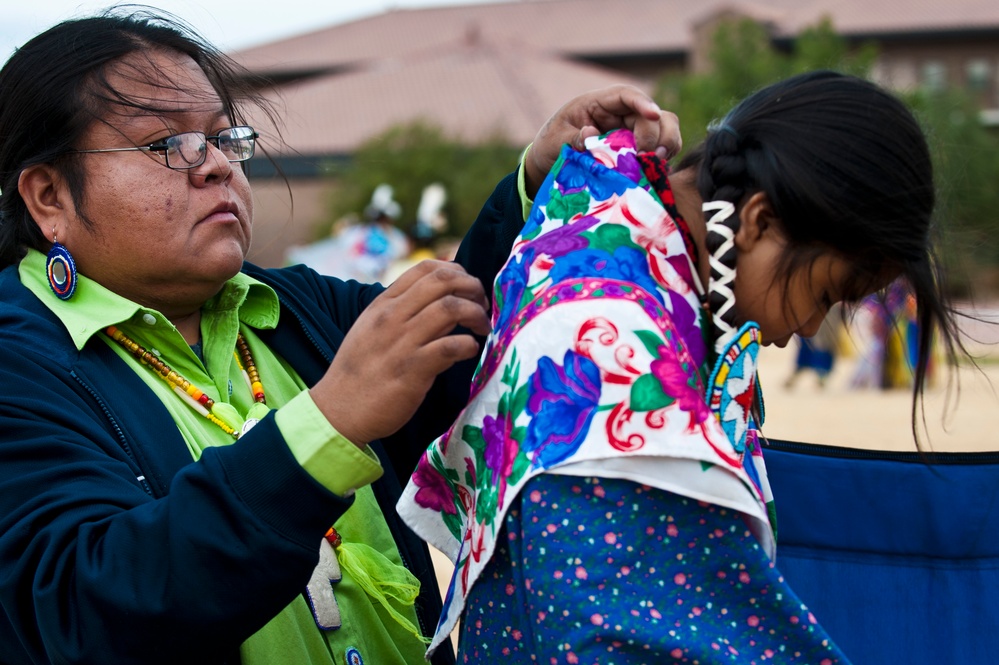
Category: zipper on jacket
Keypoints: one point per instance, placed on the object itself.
(402, 555)
(419, 613)
(308, 333)
(114, 423)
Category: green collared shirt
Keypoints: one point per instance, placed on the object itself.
(245, 305)
(526, 203)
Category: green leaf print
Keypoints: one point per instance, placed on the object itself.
(519, 434)
(519, 402)
(647, 394)
(609, 237)
(520, 466)
(651, 340)
(567, 207)
(485, 504)
(473, 437)
(454, 524)
(511, 370)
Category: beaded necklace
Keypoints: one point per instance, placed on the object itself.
(190, 393)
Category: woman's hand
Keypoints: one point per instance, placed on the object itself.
(594, 113)
(396, 348)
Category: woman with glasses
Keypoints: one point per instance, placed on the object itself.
(199, 458)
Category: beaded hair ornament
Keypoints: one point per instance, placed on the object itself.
(721, 228)
(722, 225)
(736, 348)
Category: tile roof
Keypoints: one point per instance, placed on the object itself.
(506, 66)
(473, 91)
(592, 27)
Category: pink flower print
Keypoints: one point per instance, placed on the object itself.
(435, 492)
(676, 384)
(620, 139)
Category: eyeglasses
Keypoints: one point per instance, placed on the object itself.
(188, 150)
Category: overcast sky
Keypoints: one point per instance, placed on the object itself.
(229, 24)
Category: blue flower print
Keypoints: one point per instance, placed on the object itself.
(562, 401)
(512, 284)
(584, 171)
(627, 264)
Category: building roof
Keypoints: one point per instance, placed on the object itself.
(595, 27)
(897, 17)
(474, 90)
(504, 67)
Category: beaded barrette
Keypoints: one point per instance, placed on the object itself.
(190, 393)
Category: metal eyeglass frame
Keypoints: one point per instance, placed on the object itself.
(174, 141)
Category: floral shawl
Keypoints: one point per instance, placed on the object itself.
(596, 366)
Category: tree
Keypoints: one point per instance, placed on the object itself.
(966, 170)
(744, 59)
(966, 166)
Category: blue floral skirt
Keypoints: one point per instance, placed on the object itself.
(591, 570)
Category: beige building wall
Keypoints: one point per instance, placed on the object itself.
(969, 64)
(283, 218)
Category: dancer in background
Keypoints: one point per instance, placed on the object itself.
(818, 353)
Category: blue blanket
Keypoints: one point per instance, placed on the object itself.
(897, 553)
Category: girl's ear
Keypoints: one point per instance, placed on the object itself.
(46, 195)
(756, 220)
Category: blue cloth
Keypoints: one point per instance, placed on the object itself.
(898, 558)
(591, 570)
(116, 548)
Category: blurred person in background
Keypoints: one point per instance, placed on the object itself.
(818, 353)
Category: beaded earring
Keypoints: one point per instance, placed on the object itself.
(61, 269)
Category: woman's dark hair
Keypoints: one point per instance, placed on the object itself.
(57, 84)
(845, 167)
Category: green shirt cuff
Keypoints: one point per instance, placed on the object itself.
(525, 203)
(335, 463)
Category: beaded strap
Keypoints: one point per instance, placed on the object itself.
(190, 393)
(245, 361)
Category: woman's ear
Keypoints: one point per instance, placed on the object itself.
(756, 220)
(46, 195)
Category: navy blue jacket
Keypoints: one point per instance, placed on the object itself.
(115, 547)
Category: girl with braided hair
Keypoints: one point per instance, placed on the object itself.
(603, 495)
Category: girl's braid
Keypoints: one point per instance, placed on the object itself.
(722, 181)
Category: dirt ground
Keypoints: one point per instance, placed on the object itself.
(961, 405)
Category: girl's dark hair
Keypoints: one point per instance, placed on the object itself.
(57, 84)
(846, 168)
